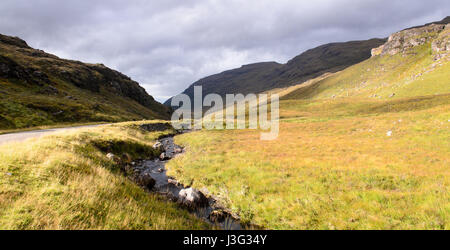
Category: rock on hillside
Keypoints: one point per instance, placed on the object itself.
(403, 41)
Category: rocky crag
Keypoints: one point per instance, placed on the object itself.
(403, 41)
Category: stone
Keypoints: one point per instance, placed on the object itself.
(442, 43)
(164, 157)
(191, 197)
(110, 156)
(158, 146)
(377, 51)
(217, 216)
(173, 182)
(113, 157)
(403, 41)
(145, 180)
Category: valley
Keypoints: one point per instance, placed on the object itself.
(363, 143)
(362, 148)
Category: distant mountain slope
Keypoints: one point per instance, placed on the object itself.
(37, 88)
(260, 77)
(414, 62)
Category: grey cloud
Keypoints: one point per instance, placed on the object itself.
(166, 45)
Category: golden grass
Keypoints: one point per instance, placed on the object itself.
(61, 125)
(63, 182)
(380, 77)
(332, 170)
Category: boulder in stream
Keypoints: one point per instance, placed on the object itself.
(164, 157)
(158, 146)
(192, 198)
(145, 180)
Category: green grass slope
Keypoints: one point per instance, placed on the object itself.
(350, 154)
(38, 89)
(65, 182)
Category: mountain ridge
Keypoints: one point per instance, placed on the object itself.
(327, 58)
(39, 88)
(264, 76)
(414, 62)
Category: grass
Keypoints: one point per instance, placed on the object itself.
(65, 181)
(330, 172)
(61, 125)
(83, 94)
(22, 107)
(350, 155)
(381, 76)
(334, 165)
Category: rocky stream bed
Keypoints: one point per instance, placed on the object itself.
(152, 176)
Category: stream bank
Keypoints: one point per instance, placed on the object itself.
(152, 175)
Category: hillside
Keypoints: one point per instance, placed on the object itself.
(37, 88)
(414, 62)
(65, 181)
(363, 148)
(260, 77)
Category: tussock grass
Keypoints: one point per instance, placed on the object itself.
(65, 181)
(350, 154)
(330, 172)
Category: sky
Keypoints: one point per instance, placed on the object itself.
(167, 45)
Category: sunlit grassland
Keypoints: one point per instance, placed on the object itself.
(411, 75)
(333, 166)
(63, 181)
(61, 125)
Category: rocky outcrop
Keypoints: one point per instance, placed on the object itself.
(442, 42)
(118, 83)
(377, 51)
(145, 180)
(404, 41)
(11, 70)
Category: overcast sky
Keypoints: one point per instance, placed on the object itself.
(166, 45)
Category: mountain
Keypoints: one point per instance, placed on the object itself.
(260, 77)
(38, 88)
(413, 62)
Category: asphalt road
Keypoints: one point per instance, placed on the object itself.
(22, 136)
